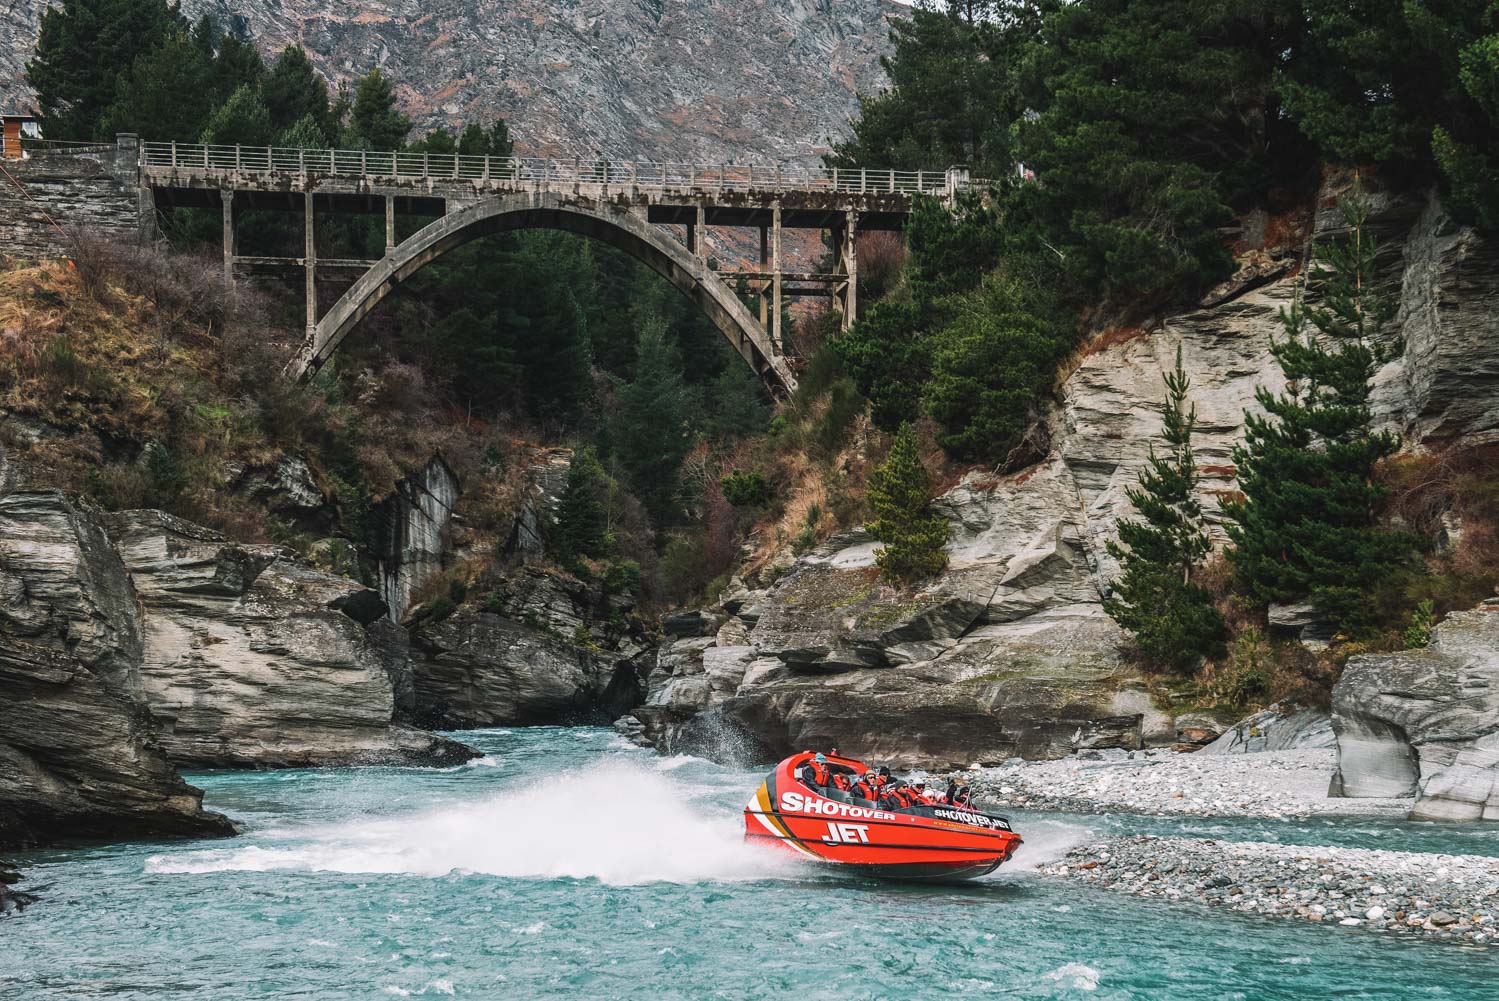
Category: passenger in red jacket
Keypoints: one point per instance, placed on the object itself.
(868, 787)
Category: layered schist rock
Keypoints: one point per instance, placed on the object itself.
(1009, 651)
(77, 755)
(412, 533)
(251, 657)
(1425, 722)
(531, 652)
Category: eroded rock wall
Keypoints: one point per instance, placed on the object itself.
(1425, 722)
(251, 657)
(77, 753)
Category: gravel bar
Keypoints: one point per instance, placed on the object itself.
(1395, 893)
(1270, 784)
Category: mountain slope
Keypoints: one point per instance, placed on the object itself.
(747, 80)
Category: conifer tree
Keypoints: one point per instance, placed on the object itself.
(581, 528)
(1171, 617)
(913, 538)
(648, 434)
(374, 120)
(1305, 528)
(82, 48)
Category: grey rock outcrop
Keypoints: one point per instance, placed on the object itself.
(77, 755)
(546, 478)
(412, 529)
(1278, 728)
(1425, 723)
(251, 657)
(478, 668)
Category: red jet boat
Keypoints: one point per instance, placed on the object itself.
(937, 842)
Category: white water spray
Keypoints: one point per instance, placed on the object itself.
(614, 821)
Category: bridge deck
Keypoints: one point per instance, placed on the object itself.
(427, 184)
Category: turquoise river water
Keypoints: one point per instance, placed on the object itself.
(565, 864)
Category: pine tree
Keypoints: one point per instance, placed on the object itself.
(242, 120)
(913, 538)
(167, 93)
(648, 434)
(293, 91)
(82, 47)
(1305, 528)
(581, 528)
(374, 121)
(1172, 618)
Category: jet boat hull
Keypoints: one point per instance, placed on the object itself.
(918, 843)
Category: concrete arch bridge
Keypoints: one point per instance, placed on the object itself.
(657, 212)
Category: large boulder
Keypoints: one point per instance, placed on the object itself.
(1278, 728)
(77, 758)
(1425, 723)
(253, 658)
(477, 668)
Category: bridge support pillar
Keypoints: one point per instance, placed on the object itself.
(309, 261)
(850, 267)
(776, 344)
(226, 198)
(390, 219)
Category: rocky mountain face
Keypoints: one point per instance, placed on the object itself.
(1009, 651)
(706, 80)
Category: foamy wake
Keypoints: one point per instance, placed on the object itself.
(614, 821)
(1047, 841)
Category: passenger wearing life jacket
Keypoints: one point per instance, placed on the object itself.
(841, 780)
(815, 772)
(868, 786)
(923, 798)
(882, 778)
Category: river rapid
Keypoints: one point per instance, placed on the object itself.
(566, 864)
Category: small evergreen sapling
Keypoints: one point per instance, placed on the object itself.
(1306, 528)
(913, 538)
(1172, 618)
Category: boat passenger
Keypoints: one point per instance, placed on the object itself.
(815, 772)
(923, 798)
(841, 780)
(882, 777)
(868, 787)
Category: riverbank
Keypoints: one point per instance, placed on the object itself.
(1269, 784)
(1397, 893)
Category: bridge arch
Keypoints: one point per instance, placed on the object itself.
(616, 225)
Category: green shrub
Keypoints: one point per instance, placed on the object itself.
(1423, 618)
(747, 488)
(622, 577)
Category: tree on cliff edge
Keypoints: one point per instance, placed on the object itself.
(1306, 527)
(913, 538)
(1171, 617)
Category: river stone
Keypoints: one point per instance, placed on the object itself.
(250, 659)
(77, 755)
(1425, 722)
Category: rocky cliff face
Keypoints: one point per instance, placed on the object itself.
(253, 658)
(707, 80)
(538, 649)
(412, 533)
(1425, 722)
(1009, 651)
(77, 753)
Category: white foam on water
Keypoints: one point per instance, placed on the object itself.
(615, 821)
(1076, 976)
(1047, 841)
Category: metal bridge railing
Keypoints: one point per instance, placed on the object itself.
(534, 170)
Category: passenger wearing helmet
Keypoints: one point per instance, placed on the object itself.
(918, 790)
(815, 772)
